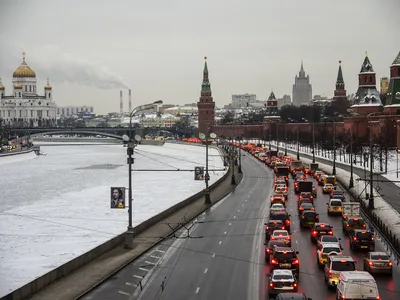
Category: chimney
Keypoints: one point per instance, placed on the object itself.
(130, 101)
(121, 103)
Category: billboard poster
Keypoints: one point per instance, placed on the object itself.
(199, 173)
(117, 197)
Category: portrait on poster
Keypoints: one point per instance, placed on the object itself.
(117, 198)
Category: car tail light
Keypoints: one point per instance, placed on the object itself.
(274, 262)
(314, 233)
(294, 284)
(354, 239)
(288, 237)
(372, 239)
(269, 250)
(283, 227)
(330, 232)
(287, 222)
(347, 225)
(330, 273)
(390, 264)
(378, 298)
(266, 228)
(296, 262)
(273, 238)
(365, 225)
(271, 284)
(371, 263)
(317, 217)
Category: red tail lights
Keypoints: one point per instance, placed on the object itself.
(274, 262)
(296, 262)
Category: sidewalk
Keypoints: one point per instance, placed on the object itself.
(389, 191)
(79, 282)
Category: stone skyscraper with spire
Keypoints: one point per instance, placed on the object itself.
(302, 89)
(206, 105)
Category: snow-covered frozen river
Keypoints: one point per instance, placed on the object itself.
(56, 207)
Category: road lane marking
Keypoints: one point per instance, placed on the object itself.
(162, 251)
(131, 284)
(230, 224)
(143, 269)
(234, 217)
(153, 256)
(197, 290)
(225, 232)
(242, 204)
(238, 210)
(213, 255)
(220, 242)
(205, 271)
(137, 276)
(245, 200)
(124, 293)
(150, 263)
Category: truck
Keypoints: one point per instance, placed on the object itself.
(272, 153)
(305, 186)
(296, 165)
(282, 171)
(350, 210)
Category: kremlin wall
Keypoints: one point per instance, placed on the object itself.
(366, 111)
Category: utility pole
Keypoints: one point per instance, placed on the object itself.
(371, 169)
(285, 141)
(270, 136)
(240, 154)
(232, 152)
(298, 144)
(351, 183)
(334, 147)
(313, 143)
(207, 176)
(277, 137)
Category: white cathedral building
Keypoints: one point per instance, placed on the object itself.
(24, 107)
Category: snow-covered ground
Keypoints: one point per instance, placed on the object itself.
(56, 207)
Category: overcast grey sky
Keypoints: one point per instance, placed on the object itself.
(90, 48)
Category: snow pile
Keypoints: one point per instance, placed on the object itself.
(57, 207)
(7, 159)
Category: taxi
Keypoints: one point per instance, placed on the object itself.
(327, 188)
(281, 189)
(326, 250)
(334, 206)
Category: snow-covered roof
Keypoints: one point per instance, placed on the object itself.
(367, 96)
(181, 108)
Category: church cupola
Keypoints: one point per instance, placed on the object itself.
(367, 75)
(48, 89)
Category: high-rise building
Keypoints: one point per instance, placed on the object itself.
(206, 105)
(384, 85)
(243, 100)
(367, 99)
(302, 89)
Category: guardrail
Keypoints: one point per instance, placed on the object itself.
(67, 268)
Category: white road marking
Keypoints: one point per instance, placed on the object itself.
(124, 293)
(242, 204)
(225, 232)
(143, 269)
(137, 276)
(213, 255)
(297, 242)
(162, 251)
(153, 256)
(234, 217)
(230, 224)
(245, 200)
(130, 284)
(197, 290)
(220, 242)
(238, 210)
(205, 271)
(149, 262)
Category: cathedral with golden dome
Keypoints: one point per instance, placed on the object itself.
(25, 107)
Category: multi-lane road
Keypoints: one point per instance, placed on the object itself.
(223, 257)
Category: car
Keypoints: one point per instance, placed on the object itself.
(331, 239)
(337, 194)
(335, 265)
(357, 285)
(285, 258)
(280, 180)
(327, 188)
(353, 223)
(314, 191)
(308, 218)
(308, 195)
(334, 206)
(284, 216)
(292, 296)
(281, 189)
(326, 250)
(271, 226)
(321, 180)
(305, 206)
(318, 174)
(281, 281)
(277, 207)
(378, 262)
(362, 239)
(320, 229)
(304, 200)
(282, 235)
(269, 247)
(278, 198)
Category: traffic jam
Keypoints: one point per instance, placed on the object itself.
(347, 266)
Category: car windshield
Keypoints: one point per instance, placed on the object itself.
(280, 233)
(306, 205)
(278, 217)
(343, 266)
(282, 277)
(284, 255)
(331, 249)
(356, 222)
(278, 196)
(364, 235)
(309, 214)
(275, 223)
(336, 203)
(329, 238)
(379, 257)
(277, 205)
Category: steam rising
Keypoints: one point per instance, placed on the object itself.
(64, 67)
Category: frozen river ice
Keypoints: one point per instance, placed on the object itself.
(55, 207)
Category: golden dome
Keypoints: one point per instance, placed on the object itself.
(47, 86)
(17, 86)
(24, 70)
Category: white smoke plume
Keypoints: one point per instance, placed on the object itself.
(64, 67)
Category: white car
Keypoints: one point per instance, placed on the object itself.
(277, 207)
(330, 239)
(326, 250)
(282, 235)
(281, 281)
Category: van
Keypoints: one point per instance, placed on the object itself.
(335, 266)
(357, 285)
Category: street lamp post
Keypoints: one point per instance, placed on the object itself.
(298, 144)
(277, 138)
(207, 138)
(285, 141)
(270, 136)
(334, 148)
(351, 183)
(371, 203)
(130, 150)
(240, 154)
(313, 143)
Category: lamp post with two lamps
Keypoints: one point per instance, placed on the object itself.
(130, 149)
(207, 140)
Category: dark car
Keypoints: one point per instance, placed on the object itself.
(362, 239)
(304, 200)
(320, 229)
(271, 226)
(306, 195)
(269, 247)
(278, 198)
(351, 224)
(283, 216)
(337, 194)
(305, 206)
(285, 258)
(292, 296)
(309, 218)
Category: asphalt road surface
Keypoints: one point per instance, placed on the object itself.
(223, 257)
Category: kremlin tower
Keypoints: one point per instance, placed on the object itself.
(367, 98)
(340, 91)
(206, 105)
(272, 105)
(393, 94)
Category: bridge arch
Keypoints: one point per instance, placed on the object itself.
(72, 131)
